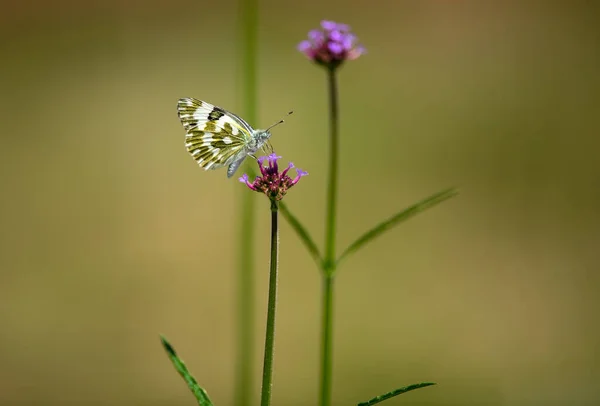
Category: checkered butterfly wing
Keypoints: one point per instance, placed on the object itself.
(214, 136)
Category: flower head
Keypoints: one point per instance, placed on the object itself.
(271, 182)
(331, 45)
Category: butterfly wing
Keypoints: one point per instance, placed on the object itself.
(214, 136)
(234, 166)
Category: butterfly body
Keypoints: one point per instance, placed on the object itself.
(216, 137)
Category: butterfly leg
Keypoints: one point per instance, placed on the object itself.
(267, 147)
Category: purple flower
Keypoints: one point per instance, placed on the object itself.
(271, 182)
(331, 45)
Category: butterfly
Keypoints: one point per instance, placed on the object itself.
(216, 137)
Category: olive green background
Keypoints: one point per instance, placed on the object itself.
(111, 234)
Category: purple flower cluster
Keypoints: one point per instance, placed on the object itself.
(272, 183)
(331, 45)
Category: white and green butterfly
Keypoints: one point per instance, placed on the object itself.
(216, 137)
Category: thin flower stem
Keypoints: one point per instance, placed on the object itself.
(247, 77)
(327, 342)
(329, 262)
(267, 380)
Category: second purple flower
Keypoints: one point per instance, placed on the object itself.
(331, 45)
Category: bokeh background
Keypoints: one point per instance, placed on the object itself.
(110, 234)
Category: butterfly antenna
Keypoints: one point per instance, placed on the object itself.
(280, 121)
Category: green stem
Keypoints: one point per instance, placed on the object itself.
(333, 169)
(249, 55)
(246, 306)
(329, 261)
(247, 77)
(326, 340)
(267, 380)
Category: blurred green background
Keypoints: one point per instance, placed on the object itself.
(111, 234)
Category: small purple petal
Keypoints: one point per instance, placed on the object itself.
(304, 46)
(328, 25)
(336, 35)
(356, 52)
(261, 159)
(244, 179)
(273, 167)
(301, 172)
(348, 42)
(343, 27)
(273, 157)
(285, 171)
(332, 25)
(317, 37)
(335, 48)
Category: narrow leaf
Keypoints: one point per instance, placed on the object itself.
(393, 393)
(302, 232)
(397, 219)
(199, 393)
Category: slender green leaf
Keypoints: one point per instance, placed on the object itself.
(397, 219)
(393, 393)
(302, 233)
(199, 393)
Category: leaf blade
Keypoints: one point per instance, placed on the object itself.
(302, 233)
(395, 392)
(198, 392)
(398, 218)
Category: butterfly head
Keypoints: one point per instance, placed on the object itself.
(260, 140)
